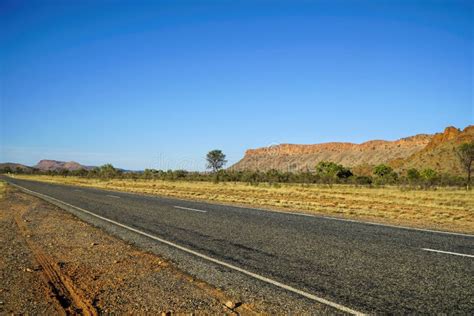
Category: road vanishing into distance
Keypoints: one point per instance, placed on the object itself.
(354, 265)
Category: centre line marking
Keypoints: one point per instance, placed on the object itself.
(113, 196)
(189, 209)
(448, 252)
(197, 254)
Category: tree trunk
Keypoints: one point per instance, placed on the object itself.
(469, 175)
(469, 179)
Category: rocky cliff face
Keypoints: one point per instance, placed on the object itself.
(440, 153)
(290, 157)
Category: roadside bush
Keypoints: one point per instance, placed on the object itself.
(429, 177)
(385, 175)
(363, 180)
(413, 176)
(324, 173)
(330, 172)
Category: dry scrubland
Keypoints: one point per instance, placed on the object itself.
(2, 189)
(443, 208)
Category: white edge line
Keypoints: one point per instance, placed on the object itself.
(434, 231)
(344, 220)
(203, 256)
(113, 196)
(189, 209)
(449, 252)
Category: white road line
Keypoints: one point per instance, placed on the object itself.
(203, 256)
(113, 196)
(77, 190)
(304, 214)
(189, 209)
(344, 220)
(449, 252)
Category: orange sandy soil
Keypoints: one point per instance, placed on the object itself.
(54, 263)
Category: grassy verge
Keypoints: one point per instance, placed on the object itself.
(443, 208)
(3, 189)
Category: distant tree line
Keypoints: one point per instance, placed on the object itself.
(325, 172)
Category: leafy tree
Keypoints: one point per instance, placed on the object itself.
(327, 169)
(363, 180)
(382, 170)
(215, 160)
(180, 174)
(108, 171)
(344, 173)
(466, 156)
(429, 176)
(273, 175)
(331, 170)
(63, 172)
(413, 175)
(385, 174)
(250, 176)
(79, 173)
(148, 173)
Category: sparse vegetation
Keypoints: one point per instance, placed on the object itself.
(466, 155)
(413, 176)
(385, 174)
(429, 177)
(329, 171)
(324, 173)
(3, 189)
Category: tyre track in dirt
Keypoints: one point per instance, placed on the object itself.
(67, 298)
(79, 269)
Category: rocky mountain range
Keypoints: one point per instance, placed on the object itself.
(52, 165)
(46, 165)
(435, 151)
(420, 151)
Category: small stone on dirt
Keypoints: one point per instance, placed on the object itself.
(230, 304)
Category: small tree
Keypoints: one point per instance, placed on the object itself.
(382, 170)
(215, 160)
(466, 156)
(429, 176)
(413, 175)
(108, 171)
(385, 174)
(329, 170)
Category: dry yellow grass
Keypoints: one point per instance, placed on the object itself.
(443, 208)
(3, 189)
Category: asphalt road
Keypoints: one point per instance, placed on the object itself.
(368, 268)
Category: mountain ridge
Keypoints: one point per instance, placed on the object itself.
(54, 165)
(400, 153)
(46, 165)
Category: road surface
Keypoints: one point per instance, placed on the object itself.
(351, 266)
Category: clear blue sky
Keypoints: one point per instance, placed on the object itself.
(159, 83)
